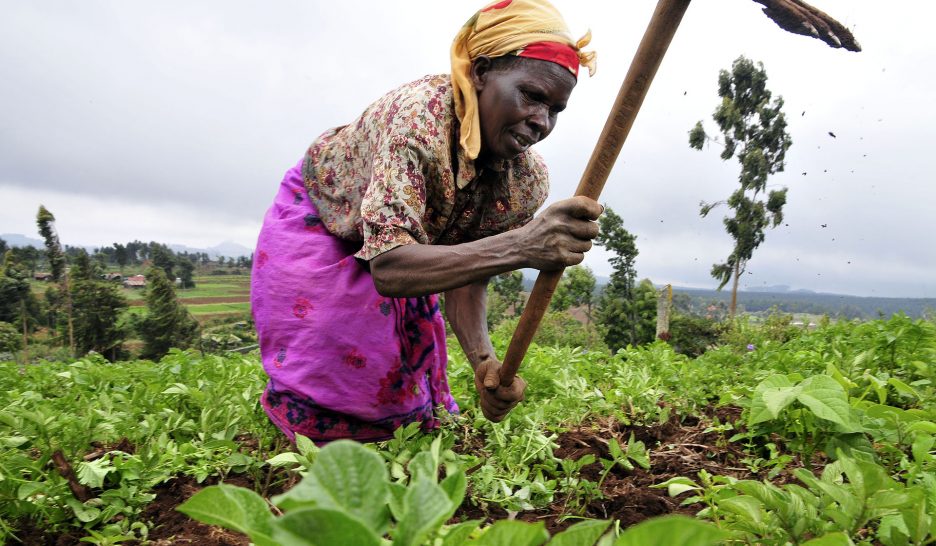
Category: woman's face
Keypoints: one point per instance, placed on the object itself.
(518, 105)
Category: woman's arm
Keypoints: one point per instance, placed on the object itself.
(557, 238)
(466, 309)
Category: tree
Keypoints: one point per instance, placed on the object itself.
(163, 259)
(46, 222)
(505, 292)
(121, 256)
(754, 130)
(617, 309)
(575, 289)
(97, 306)
(186, 271)
(167, 323)
(3, 247)
(18, 305)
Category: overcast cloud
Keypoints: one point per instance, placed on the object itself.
(175, 122)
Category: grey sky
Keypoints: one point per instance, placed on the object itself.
(176, 124)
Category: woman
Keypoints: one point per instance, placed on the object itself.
(431, 190)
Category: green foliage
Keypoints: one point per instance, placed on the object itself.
(754, 129)
(14, 290)
(622, 305)
(11, 339)
(575, 289)
(693, 335)
(505, 297)
(558, 329)
(167, 323)
(97, 307)
(46, 222)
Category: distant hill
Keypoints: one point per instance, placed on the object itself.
(805, 301)
(228, 249)
(790, 300)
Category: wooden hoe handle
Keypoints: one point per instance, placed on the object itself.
(649, 54)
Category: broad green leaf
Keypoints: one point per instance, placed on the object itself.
(83, 512)
(92, 473)
(776, 399)
(457, 535)
(747, 507)
(13, 441)
(902, 388)
(322, 527)
(306, 447)
(234, 508)
(928, 427)
(454, 486)
(584, 533)
(423, 466)
(285, 459)
(827, 400)
(637, 452)
(425, 507)
(677, 486)
(513, 533)
(893, 531)
(345, 476)
(922, 445)
(831, 539)
(759, 411)
(671, 531)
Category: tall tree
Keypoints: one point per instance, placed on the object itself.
(754, 131)
(121, 256)
(163, 258)
(617, 310)
(186, 272)
(575, 289)
(46, 222)
(97, 308)
(167, 323)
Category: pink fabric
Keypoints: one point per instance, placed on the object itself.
(343, 361)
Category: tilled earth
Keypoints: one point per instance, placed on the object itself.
(677, 448)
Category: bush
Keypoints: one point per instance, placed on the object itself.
(559, 329)
(11, 339)
(692, 336)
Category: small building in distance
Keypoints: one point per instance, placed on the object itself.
(135, 281)
(39, 276)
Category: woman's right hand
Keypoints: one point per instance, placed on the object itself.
(560, 236)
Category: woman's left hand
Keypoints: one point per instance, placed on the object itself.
(496, 400)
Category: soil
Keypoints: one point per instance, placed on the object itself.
(677, 448)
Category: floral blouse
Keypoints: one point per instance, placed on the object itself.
(397, 176)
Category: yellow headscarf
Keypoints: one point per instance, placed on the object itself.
(502, 27)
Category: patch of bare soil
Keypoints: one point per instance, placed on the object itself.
(677, 448)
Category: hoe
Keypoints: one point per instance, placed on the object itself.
(791, 15)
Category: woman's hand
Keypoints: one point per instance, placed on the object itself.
(560, 236)
(496, 401)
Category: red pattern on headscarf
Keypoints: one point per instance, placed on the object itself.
(554, 52)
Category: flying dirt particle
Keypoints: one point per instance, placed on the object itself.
(684, 93)
(831, 134)
(825, 170)
(786, 225)
(804, 173)
(803, 114)
(849, 262)
(824, 225)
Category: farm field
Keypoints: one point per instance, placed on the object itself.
(780, 435)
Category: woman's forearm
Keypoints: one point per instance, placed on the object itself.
(466, 310)
(419, 270)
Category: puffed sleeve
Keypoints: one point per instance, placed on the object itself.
(395, 201)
